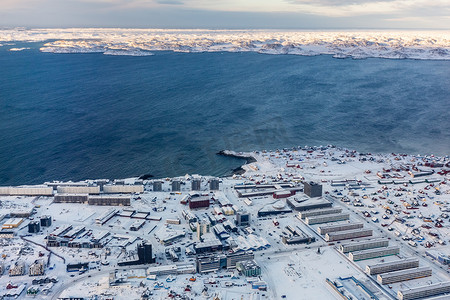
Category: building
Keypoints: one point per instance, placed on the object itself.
(404, 275)
(78, 189)
(312, 189)
(138, 224)
(6, 234)
(176, 186)
(109, 200)
(46, 221)
(242, 218)
(71, 198)
(374, 253)
(326, 218)
(339, 227)
(199, 202)
(26, 191)
(249, 268)
(157, 186)
(18, 269)
(123, 189)
(364, 245)
(12, 223)
(77, 267)
(319, 212)
(34, 227)
(307, 204)
(391, 266)
(435, 289)
(214, 184)
(196, 184)
(234, 258)
(207, 264)
(296, 236)
(144, 256)
(37, 268)
(203, 227)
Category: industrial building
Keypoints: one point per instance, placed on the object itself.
(196, 184)
(364, 245)
(319, 212)
(339, 227)
(391, 266)
(157, 186)
(327, 218)
(106, 216)
(123, 189)
(176, 186)
(307, 204)
(78, 189)
(214, 184)
(312, 189)
(138, 224)
(34, 227)
(249, 268)
(347, 234)
(71, 198)
(404, 275)
(12, 223)
(374, 253)
(108, 200)
(435, 289)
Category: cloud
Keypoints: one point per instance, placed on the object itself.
(334, 2)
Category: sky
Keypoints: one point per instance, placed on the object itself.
(228, 14)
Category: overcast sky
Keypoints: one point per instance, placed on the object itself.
(276, 14)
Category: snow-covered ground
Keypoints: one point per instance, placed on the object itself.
(414, 216)
(138, 42)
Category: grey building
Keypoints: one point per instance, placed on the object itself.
(242, 218)
(176, 186)
(312, 189)
(157, 186)
(196, 184)
(214, 184)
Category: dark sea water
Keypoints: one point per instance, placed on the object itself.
(78, 116)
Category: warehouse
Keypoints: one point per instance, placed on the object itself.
(403, 275)
(71, 198)
(138, 224)
(326, 218)
(123, 189)
(339, 227)
(425, 291)
(78, 189)
(374, 253)
(364, 245)
(319, 212)
(12, 223)
(106, 200)
(106, 216)
(392, 266)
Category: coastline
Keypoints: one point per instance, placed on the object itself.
(239, 170)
